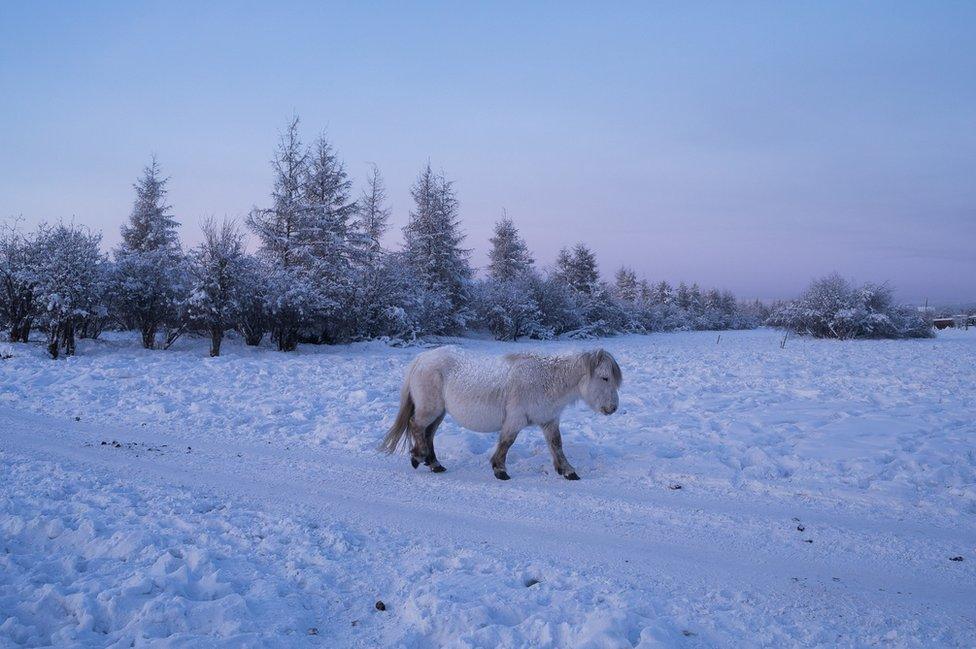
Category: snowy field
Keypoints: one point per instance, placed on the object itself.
(744, 495)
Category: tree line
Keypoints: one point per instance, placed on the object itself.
(321, 273)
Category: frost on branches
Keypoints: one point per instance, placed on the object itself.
(218, 268)
(20, 255)
(832, 307)
(434, 254)
(149, 281)
(321, 274)
(70, 281)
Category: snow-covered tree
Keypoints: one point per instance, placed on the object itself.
(508, 257)
(662, 293)
(682, 296)
(372, 215)
(293, 297)
(645, 294)
(508, 308)
(626, 286)
(696, 302)
(149, 282)
(20, 255)
(332, 241)
(311, 243)
(70, 280)
(577, 269)
(253, 319)
(557, 303)
(504, 301)
(433, 249)
(375, 285)
(278, 227)
(217, 268)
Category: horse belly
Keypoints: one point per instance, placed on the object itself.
(480, 415)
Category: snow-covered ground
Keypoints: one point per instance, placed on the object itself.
(167, 498)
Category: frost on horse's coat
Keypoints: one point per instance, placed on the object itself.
(504, 395)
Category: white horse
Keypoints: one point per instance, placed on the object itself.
(490, 394)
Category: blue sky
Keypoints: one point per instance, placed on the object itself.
(747, 146)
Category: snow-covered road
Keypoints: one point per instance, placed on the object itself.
(814, 508)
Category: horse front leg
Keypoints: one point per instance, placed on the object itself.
(505, 440)
(559, 461)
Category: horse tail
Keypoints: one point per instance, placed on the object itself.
(399, 427)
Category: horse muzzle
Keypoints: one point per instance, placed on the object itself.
(608, 410)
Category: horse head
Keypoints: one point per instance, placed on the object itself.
(601, 381)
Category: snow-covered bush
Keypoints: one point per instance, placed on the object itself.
(20, 255)
(558, 308)
(833, 308)
(217, 271)
(508, 309)
(253, 320)
(70, 279)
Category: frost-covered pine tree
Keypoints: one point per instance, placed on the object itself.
(696, 302)
(20, 255)
(380, 285)
(327, 228)
(682, 296)
(372, 215)
(151, 225)
(217, 269)
(433, 249)
(626, 286)
(663, 293)
(508, 257)
(505, 301)
(70, 280)
(293, 297)
(578, 269)
(278, 227)
(645, 293)
(149, 276)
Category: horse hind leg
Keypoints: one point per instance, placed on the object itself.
(431, 459)
(421, 450)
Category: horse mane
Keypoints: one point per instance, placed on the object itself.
(615, 370)
(591, 360)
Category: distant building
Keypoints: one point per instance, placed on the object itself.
(956, 321)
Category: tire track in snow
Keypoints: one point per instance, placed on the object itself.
(674, 545)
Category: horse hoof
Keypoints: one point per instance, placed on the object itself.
(414, 462)
(438, 469)
(571, 476)
(501, 475)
